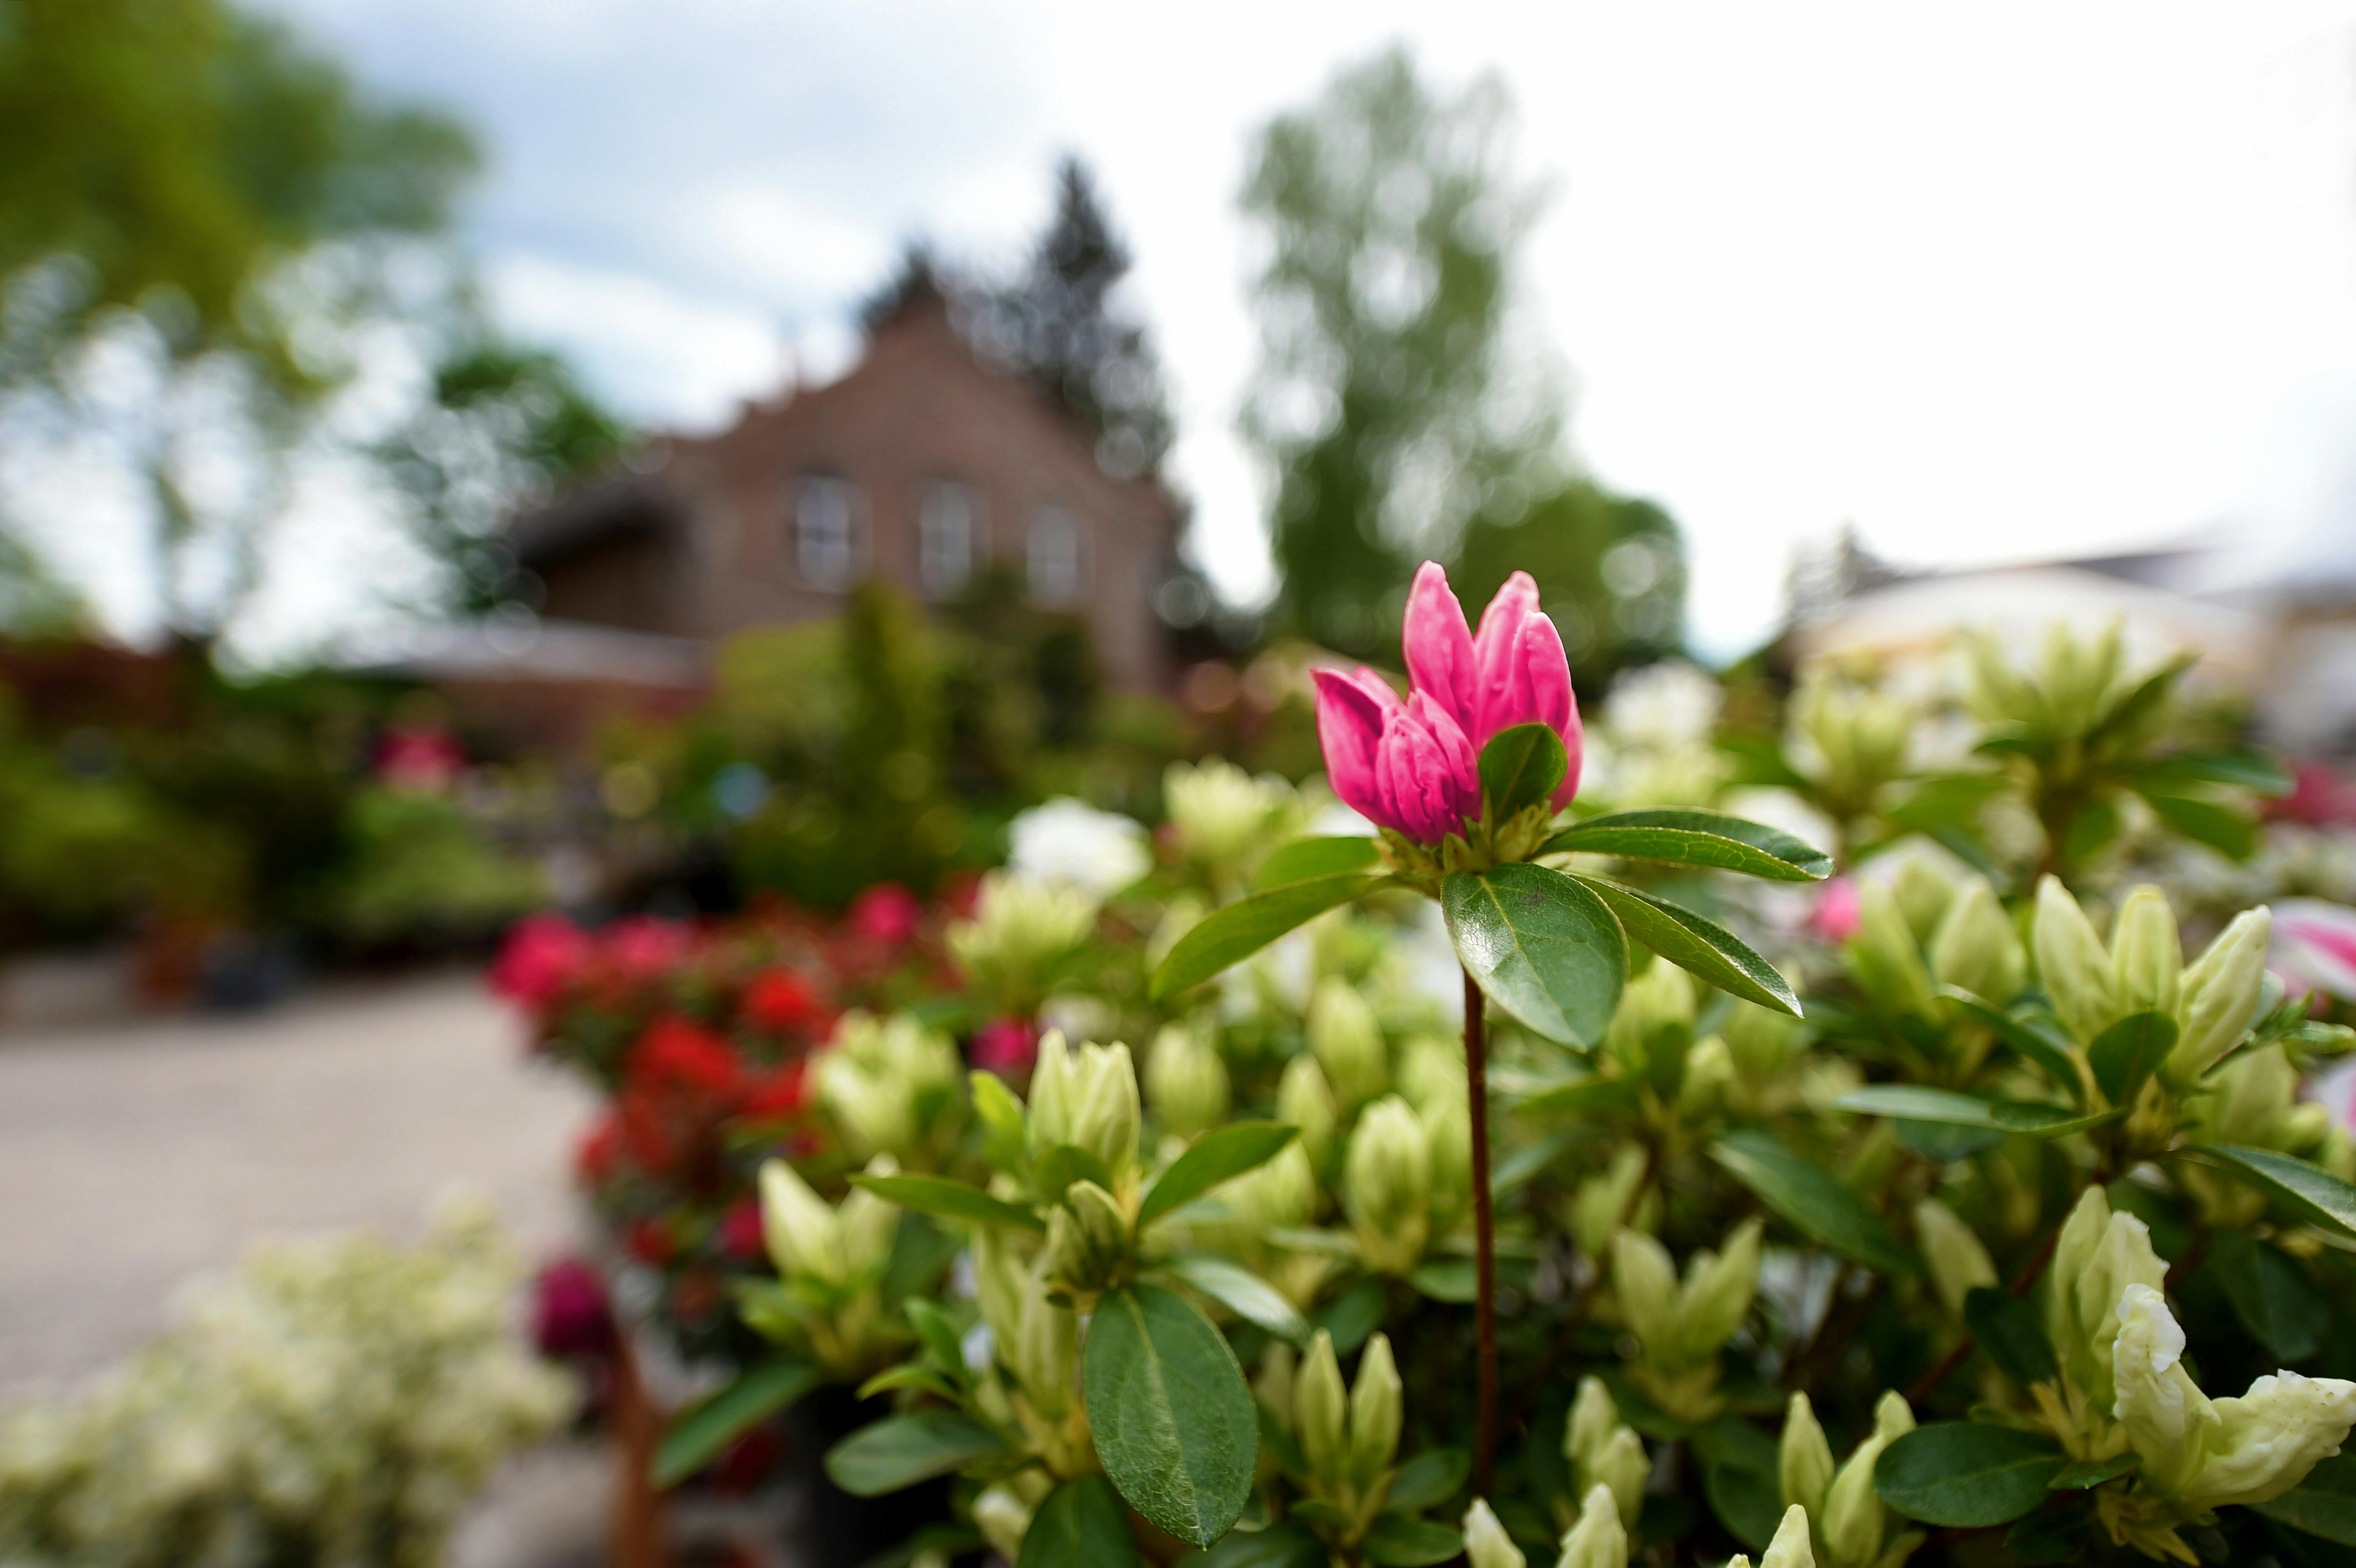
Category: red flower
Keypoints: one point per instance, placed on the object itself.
(740, 1231)
(649, 1241)
(778, 1093)
(886, 912)
(1006, 1046)
(542, 954)
(572, 1315)
(643, 949)
(780, 1002)
(600, 1147)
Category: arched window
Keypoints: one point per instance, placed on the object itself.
(826, 533)
(1056, 559)
(948, 536)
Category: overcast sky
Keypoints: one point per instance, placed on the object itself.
(1988, 281)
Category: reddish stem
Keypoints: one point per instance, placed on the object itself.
(1484, 1236)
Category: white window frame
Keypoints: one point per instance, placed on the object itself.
(1055, 557)
(823, 564)
(948, 538)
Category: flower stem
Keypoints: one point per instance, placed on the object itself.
(1484, 1236)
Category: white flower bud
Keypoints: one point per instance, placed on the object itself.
(2267, 1440)
(1320, 1412)
(1959, 1263)
(1052, 1093)
(803, 1236)
(1003, 1519)
(1601, 1203)
(2097, 1256)
(1387, 1186)
(1924, 890)
(1598, 1539)
(1602, 1450)
(1305, 1100)
(1432, 1073)
(1718, 1291)
(1854, 1519)
(1885, 958)
(1347, 1042)
(869, 1225)
(1789, 1548)
(2072, 963)
(1375, 1413)
(1804, 1460)
(2219, 995)
(888, 1083)
(2147, 964)
(1186, 1082)
(1975, 946)
(1486, 1544)
(1105, 1110)
(1645, 1282)
(1447, 1128)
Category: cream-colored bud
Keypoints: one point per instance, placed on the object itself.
(1603, 1451)
(1804, 1460)
(1432, 1073)
(2219, 996)
(1320, 1413)
(1447, 1128)
(2147, 964)
(1105, 1110)
(1708, 1081)
(2077, 676)
(1957, 1261)
(1486, 1544)
(803, 1235)
(1186, 1082)
(2072, 963)
(1854, 1519)
(1347, 1042)
(1594, 1417)
(886, 1084)
(1387, 1186)
(1603, 1203)
(1305, 1100)
(1885, 958)
(1052, 1093)
(1645, 1283)
(2267, 1440)
(1790, 1549)
(869, 1225)
(1375, 1413)
(1975, 946)
(1003, 1519)
(1924, 893)
(1718, 1291)
(2097, 1256)
(1598, 1539)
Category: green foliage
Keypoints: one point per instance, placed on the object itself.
(1172, 1419)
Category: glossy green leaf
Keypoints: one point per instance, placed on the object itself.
(2012, 1334)
(2129, 1051)
(2086, 1474)
(1739, 1478)
(1698, 945)
(702, 1432)
(1242, 1292)
(1352, 1315)
(1540, 945)
(1942, 1142)
(1521, 766)
(2271, 1294)
(1922, 1103)
(2047, 1050)
(1283, 1546)
(1005, 1126)
(1446, 1279)
(1965, 1476)
(949, 1199)
(1818, 1202)
(2309, 1191)
(1173, 1421)
(1583, 1096)
(2232, 834)
(2145, 700)
(2322, 1505)
(1081, 1522)
(1700, 838)
(1397, 1541)
(1428, 1479)
(2054, 1533)
(1306, 860)
(901, 1450)
(1220, 1155)
(2245, 768)
(1231, 934)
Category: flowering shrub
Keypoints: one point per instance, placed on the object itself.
(337, 1402)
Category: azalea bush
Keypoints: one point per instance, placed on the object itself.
(1578, 1144)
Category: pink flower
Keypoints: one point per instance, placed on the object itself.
(1837, 911)
(886, 912)
(542, 954)
(643, 947)
(1006, 1046)
(1414, 766)
(572, 1315)
(2315, 942)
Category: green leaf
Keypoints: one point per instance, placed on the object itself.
(1352, 1315)
(1540, 945)
(2324, 1504)
(901, 1450)
(1919, 1102)
(1703, 838)
(936, 1330)
(1174, 1422)
(1943, 1143)
(1700, 946)
(1397, 1541)
(1284, 1546)
(2139, 704)
(2009, 1330)
(1739, 1478)
(1229, 935)
(1583, 1096)
(1811, 1197)
(2244, 768)
(1218, 1155)
(2272, 1295)
(1081, 1521)
(2047, 1050)
(1243, 1292)
(1965, 1476)
(2313, 1193)
(1005, 1128)
(1428, 1479)
(700, 1433)
(1525, 1162)
(949, 1199)
(1063, 1164)
(2232, 834)
(2086, 1474)
(1521, 766)
(1306, 860)
(1446, 1279)
(2127, 1052)
(2050, 1534)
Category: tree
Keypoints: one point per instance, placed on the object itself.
(1386, 401)
(1060, 325)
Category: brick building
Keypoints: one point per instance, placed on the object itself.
(922, 465)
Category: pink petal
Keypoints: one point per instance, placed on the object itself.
(1350, 718)
(1460, 766)
(1438, 646)
(1496, 648)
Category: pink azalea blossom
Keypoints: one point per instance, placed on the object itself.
(1837, 911)
(2315, 943)
(1006, 1046)
(542, 954)
(886, 912)
(1414, 765)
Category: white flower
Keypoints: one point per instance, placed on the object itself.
(1665, 706)
(1068, 840)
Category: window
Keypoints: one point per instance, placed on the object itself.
(825, 537)
(1054, 558)
(945, 538)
